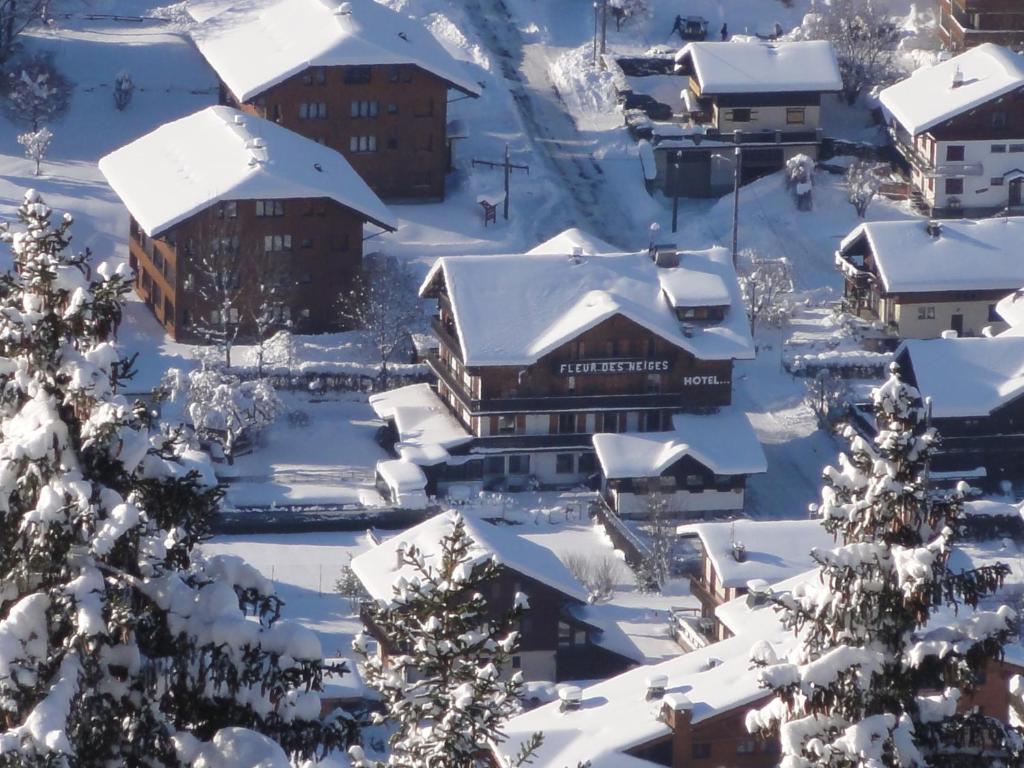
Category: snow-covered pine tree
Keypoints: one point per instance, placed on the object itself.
(443, 687)
(870, 683)
(119, 643)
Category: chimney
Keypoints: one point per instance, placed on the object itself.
(400, 556)
(665, 254)
(958, 76)
(677, 714)
(656, 685)
(739, 551)
(570, 698)
(934, 228)
(239, 120)
(758, 591)
(577, 254)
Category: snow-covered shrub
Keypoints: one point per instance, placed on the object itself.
(36, 144)
(871, 682)
(120, 644)
(36, 92)
(800, 180)
(124, 89)
(862, 184)
(443, 690)
(767, 286)
(598, 573)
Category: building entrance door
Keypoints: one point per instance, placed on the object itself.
(1015, 192)
(956, 322)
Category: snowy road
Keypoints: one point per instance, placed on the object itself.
(553, 131)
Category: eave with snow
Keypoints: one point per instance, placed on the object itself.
(923, 278)
(538, 352)
(559, 639)
(221, 181)
(960, 126)
(357, 76)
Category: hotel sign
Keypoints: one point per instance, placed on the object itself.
(611, 367)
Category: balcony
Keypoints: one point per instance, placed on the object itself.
(446, 336)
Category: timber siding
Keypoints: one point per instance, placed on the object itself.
(966, 23)
(325, 256)
(402, 108)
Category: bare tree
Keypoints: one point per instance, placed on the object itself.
(36, 92)
(36, 144)
(217, 273)
(862, 185)
(598, 573)
(652, 571)
(864, 39)
(270, 311)
(767, 286)
(15, 17)
(385, 303)
(827, 396)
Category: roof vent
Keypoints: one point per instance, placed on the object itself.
(404, 36)
(570, 698)
(712, 662)
(239, 120)
(577, 254)
(934, 228)
(400, 555)
(318, 168)
(656, 685)
(688, 330)
(739, 551)
(958, 76)
(758, 592)
(345, 9)
(665, 255)
(950, 334)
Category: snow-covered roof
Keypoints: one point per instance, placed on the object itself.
(775, 549)
(402, 476)
(564, 244)
(255, 44)
(514, 309)
(1011, 309)
(724, 442)
(693, 284)
(378, 568)
(763, 67)
(929, 96)
(219, 153)
(615, 715)
(966, 255)
(989, 373)
(426, 427)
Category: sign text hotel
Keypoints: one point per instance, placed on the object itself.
(589, 367)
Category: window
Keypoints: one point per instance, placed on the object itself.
(610, 349)
(364, 108)
(565, 463)
(955, 153)
(998, 149)
(587, 463)
(358, 75)
(996, 181)
(307, 242)
(506, 425)
(580, 637)
(701, 750)
(519, 464)
(653, 383)
(694, 481)
(570, 385)
(999, 119)
(362, 144)
(517, 662)
(269, 208)
(1016, 147)
(564, 635)
(340, 243)
(954, 186)
(314, 76)
(740, 115)
(494, 465)
(566, 423)
(316, 208)
(228, 210)
(746, 747)
(794, 116)
(272, 243)
(425, 142)
(313, 110)
(926, 313)
(400, 74)
(392, 109)
(424, 108)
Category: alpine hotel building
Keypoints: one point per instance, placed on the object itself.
(560, 367)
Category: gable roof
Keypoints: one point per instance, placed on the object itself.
(219, 153)
(256, 44)
(989, 373)
(724, 442)
(377, 569)
(966, 255)
(514, 309)
(928, 97)
(763, 67)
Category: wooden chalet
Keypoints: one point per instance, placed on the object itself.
(222, 195)
(355, 76)
(538, 353)
(966, 23)
(959, 127)
(763, 97)
(921, 279)
(556, 641)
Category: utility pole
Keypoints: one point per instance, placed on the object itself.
(675, 191)
(737, 173)
(595, 31)
(507, 166)
(604, 24)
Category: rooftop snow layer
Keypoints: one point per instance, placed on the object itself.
(402, 476)
(426, 426)
(930, 95)
(724, 442)
(989, 373)
(775, 549)
(966, 256)
(378, 568)
(565, 242)
(693, 284)
(219, 153)
(256, 44)
(1011, 309)
(513, 310)
(762, 67)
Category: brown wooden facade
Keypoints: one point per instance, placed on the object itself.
(389, 121)
(311, 249)
(966, 23)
